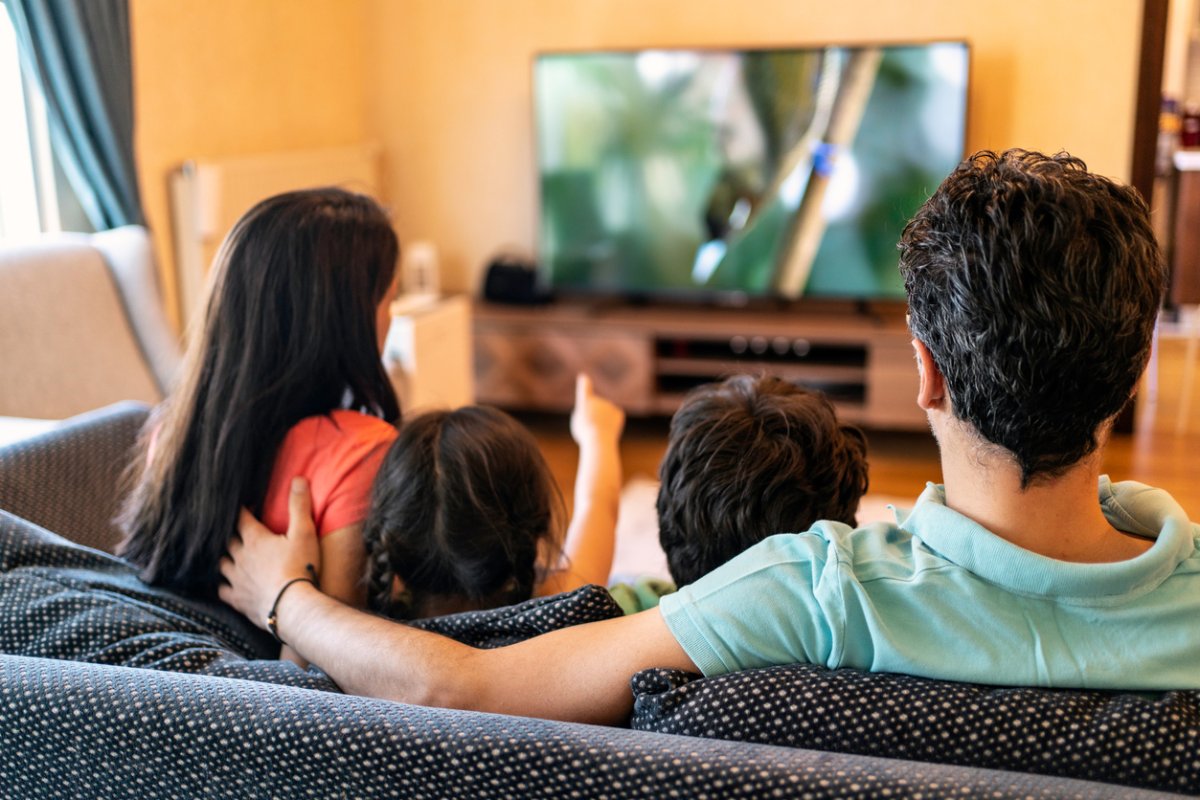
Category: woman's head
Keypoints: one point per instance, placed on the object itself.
(296, 292)
(462, 506)
(289, 331)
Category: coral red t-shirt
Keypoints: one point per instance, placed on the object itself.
(339, 454)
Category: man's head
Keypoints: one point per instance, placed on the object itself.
(1035, 285)
(748, 458)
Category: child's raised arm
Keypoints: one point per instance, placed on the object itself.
(596, 426)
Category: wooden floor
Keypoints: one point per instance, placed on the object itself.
(900, 464)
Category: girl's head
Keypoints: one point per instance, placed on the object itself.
(291, 329)
(463, 506)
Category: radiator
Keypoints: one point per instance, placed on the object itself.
(208, 196)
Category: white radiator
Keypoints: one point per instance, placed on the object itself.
(208, 196)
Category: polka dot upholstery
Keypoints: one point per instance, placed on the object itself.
(501, 626)
(60, 600)
(78, 720)
(86, 730)
(1148, 741)
(67, 479)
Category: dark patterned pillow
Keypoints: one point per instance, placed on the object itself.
(1135, 740)
(500, 626)
(64, 601)
(60, 600)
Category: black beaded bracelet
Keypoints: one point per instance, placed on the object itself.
(273, 615)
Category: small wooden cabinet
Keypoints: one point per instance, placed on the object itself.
(524, 364)
(427, 353)
(1185, 265)
(647, 358)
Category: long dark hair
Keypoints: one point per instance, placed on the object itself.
(462, 506)
(288, 332)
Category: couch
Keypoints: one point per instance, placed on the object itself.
(112, 688)
(81, 324)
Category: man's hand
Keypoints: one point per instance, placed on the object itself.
(594, 421)
(259, 563)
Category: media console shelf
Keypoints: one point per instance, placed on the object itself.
(646, 358)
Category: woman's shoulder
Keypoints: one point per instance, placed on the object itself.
(335, 441)
(339, 453)
(351, 422)
(343, 425)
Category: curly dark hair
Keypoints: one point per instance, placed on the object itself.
(462, 506)
(747, 458)
(1035, 284)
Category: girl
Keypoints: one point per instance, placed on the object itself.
(464, 511)
(284, 379)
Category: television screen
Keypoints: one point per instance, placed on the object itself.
(780, 173)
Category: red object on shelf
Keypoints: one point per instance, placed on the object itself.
(1189, 134)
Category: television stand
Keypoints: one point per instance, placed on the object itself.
(646, 358)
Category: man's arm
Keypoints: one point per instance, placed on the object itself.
(580, 673)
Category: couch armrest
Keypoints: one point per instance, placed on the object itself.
(68, 480)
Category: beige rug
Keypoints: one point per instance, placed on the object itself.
(638, 553)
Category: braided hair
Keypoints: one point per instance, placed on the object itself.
(462, 506)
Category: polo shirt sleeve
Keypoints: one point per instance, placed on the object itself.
(778, 602)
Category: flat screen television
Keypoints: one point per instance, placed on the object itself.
(727, 175)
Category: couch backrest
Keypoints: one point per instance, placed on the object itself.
(68, 342)
(130, 257)
(103, 731)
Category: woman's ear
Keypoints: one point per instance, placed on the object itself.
(932, 392)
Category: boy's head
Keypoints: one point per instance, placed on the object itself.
(751, 457)
(1035, 285)
(463, 505)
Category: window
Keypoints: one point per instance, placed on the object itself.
(34, 194)
(20, 214)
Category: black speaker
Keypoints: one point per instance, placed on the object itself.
(511, 279)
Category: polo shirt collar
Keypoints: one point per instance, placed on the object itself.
(1131, 507)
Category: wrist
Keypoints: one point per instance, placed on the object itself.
(288, 589)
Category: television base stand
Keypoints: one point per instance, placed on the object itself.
(646, 358)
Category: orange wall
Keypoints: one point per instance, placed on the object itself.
(443, 85)
(215, 78)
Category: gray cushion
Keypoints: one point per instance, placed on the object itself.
(60, 600)
(1147, 741)
(86, 730)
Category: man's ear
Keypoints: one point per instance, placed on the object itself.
(932, 393)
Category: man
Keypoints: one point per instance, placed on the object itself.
(1033, 289)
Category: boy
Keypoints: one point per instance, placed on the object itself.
(747, 458)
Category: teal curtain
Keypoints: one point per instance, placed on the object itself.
(79, 53)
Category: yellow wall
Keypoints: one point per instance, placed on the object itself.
(444, 85)
(215, 78)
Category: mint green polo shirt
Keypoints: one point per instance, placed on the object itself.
(939, 596)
